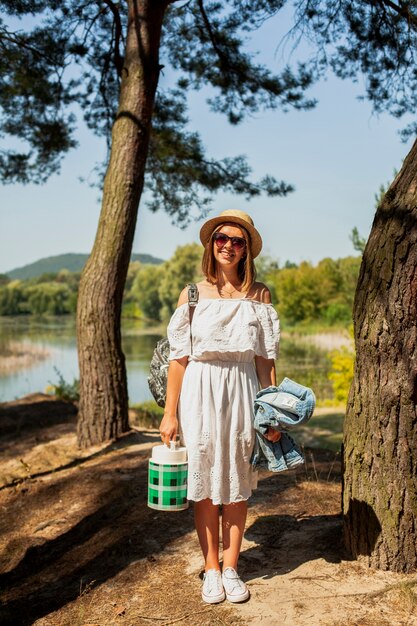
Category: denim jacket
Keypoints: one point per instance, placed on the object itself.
(282, 408)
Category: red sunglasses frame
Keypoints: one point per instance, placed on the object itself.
(238, 243)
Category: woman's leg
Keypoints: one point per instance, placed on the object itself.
(206, 518)
(233, 526)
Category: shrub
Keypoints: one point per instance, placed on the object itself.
(341, 373)
(148, 414)
(64, 390)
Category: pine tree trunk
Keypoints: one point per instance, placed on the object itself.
(103, 410)
(380, 439)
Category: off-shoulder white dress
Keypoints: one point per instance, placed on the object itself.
(218, 391)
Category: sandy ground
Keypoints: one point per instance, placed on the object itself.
(79, 546)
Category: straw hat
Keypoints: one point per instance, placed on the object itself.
(236, 217)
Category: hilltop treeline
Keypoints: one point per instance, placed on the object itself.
(302, 293)
(52, 265)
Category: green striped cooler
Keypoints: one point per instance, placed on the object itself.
(167, 479)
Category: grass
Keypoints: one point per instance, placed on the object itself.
(311, 328)
(146, 414)
(407, 596)
(322, 431)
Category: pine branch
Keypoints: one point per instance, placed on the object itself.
(118, 58)
(222, 58)
(11, 37)
(401, 10)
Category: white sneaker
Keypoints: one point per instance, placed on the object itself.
(213, 591)
(235, 588)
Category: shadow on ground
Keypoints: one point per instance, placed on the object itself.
(112, 531)
(285, 542)
(75, 529)
(37, 418)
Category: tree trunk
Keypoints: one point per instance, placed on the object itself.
(103, 410)
(380, 439)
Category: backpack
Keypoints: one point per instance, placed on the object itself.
(158, 375)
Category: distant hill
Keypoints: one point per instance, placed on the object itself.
(71, 262)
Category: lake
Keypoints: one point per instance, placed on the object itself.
(45, 346)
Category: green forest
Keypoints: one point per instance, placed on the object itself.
(303, 293)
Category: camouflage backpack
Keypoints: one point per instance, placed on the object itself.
(158, 375)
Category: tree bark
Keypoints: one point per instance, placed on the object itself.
(103, 409)
(380, 438)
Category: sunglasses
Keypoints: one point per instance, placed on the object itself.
(220, 239)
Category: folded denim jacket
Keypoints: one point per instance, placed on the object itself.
(283, 408)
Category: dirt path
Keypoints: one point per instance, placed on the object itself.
(79, 546)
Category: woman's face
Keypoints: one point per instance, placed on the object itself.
(225, 253)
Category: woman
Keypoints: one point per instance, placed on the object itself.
(213, 379)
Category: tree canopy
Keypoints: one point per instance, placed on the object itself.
(57, 55)
(372, 39)
(63, 60)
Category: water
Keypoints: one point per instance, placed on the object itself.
(298, 360)
(57, 337)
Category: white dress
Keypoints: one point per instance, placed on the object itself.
(218, 391)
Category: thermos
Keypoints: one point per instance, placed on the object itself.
(167, 483)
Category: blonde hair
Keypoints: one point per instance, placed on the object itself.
(246, 268)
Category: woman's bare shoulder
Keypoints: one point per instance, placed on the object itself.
(260, 292)
(183, 297)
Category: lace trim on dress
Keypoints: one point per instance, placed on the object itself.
(213, 488)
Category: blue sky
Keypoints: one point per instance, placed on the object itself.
(336, 156)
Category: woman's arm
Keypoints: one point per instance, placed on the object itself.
(169, 424)
(265, 369)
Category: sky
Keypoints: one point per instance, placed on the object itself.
(336, 156)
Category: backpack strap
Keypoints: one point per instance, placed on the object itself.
(192, 294)
(192, 302)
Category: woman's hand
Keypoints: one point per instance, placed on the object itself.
(168, 428)
(169, 424)
(273, 435)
